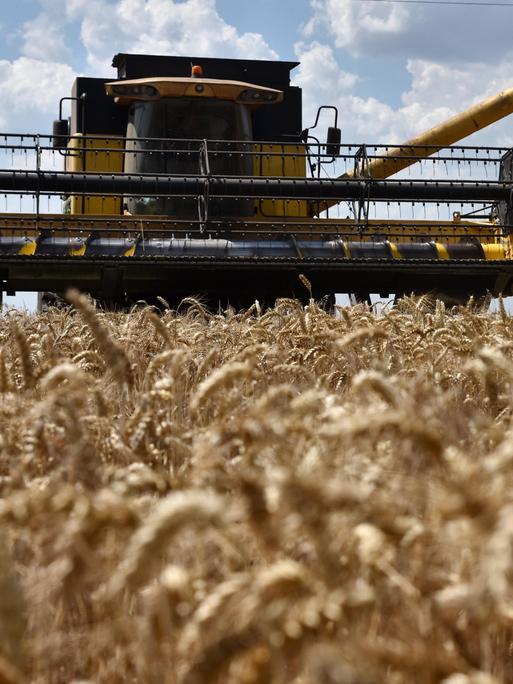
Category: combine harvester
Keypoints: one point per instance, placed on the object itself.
(196, 177)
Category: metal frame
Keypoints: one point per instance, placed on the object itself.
(271, 272)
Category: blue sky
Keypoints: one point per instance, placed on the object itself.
(392, 68)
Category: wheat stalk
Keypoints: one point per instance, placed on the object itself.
(291, 495)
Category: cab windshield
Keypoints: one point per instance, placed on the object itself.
(164, 137)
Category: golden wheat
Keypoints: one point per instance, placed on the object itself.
(265, 497)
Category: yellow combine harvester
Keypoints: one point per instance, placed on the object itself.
(196, 176)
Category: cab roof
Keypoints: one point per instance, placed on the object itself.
(129, 90)
(267, 73)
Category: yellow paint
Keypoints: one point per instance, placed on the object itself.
(437, 138)
(395, 250)
(94, 155)
(347, 251)
(442, 251)
(285, 161)
(494, 251)
(130, 252)
(28, 249)
(443, 135)
(78, 251)
(508, 248)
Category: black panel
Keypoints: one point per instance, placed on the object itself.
(280, 123)
(506, 170)
(506, 174)
(98, 111)
(465, 250)
(53, 246)
(153, 247)
(417, 250)
(370, 250)
(108, 247)
(272, 74)
(254, 278)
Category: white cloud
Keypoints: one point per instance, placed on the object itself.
(449, 64)
(442, 33)
(43, 38)
(31, 90)
(439, 91)
(452, 86)
(354, 24)
(33, 84)
(324, 83)
(436, 92)
(319, 67)
(189, 27)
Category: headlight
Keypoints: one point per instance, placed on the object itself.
(256, 96)
(142, 90)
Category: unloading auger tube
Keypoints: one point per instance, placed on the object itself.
(443, 135)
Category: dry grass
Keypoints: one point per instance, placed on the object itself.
(285, 496)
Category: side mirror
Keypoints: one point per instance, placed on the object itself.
(60, 134)
(333, 141)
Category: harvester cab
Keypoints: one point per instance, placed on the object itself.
(189, 176)
(180, 116)
(205, 121)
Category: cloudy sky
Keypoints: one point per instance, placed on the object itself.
(393, 68)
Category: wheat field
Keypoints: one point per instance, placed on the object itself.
(279, 496)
